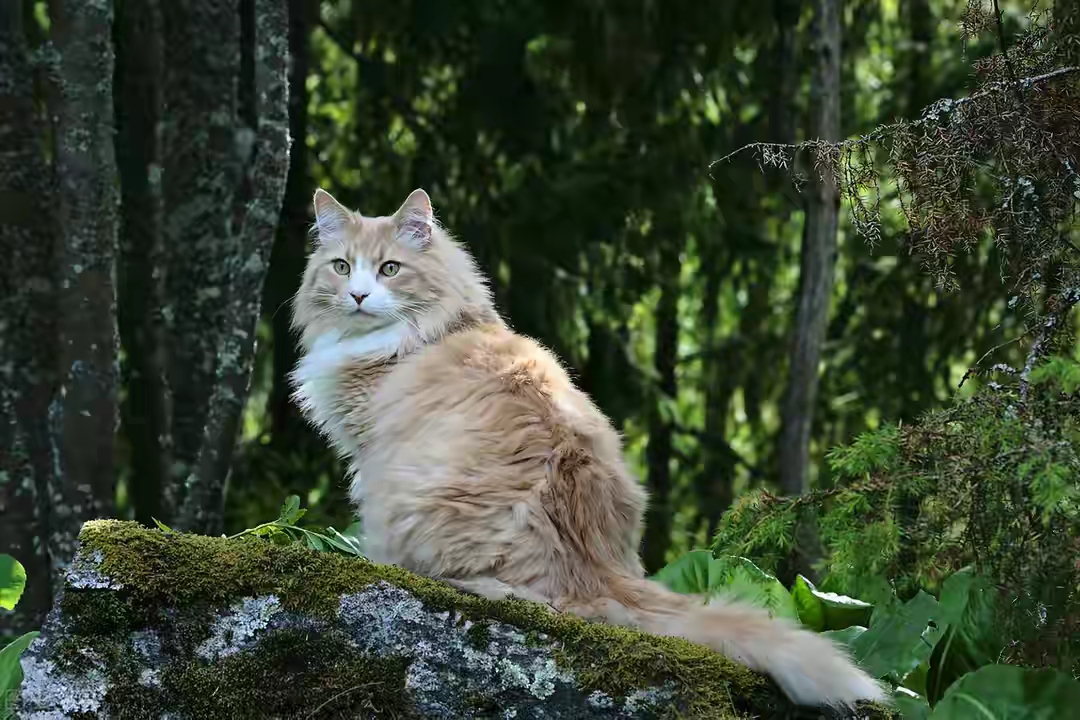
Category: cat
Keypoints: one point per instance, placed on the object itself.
(475, 460)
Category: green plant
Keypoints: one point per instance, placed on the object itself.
(284, 530)
(12, 583)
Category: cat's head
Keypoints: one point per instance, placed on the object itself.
(370, 273)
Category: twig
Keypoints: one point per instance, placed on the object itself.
(343, 692)
(1066, 301)
(971, 370)
(930, 113)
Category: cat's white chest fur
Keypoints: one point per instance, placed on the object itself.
(318, 375)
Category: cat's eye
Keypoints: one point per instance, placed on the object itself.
(389, 268)
(341, 267)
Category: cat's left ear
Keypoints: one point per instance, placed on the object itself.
(415, 221)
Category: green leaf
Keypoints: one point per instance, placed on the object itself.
(699, 573)
(12, 581)
(1008, 692)
(349, 544)
(163, 527)
(847, 635)
(910, 705)
(11, 674)
(809, 606)
(290, 511)
(899, 639)
(689, 574)
(826, 610)
(971, 639)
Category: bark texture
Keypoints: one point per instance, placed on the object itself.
(26, 325)
(83, 413)
(225, 157)
(255, 210)
(818, 257)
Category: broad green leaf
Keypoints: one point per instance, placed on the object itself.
(748, 583)
(1008, 692)
(12, 581)
(689, 574)
(826, 610)
(699, 573)
(898, 639)
(910, 705)
(163, 527)
(809, 606)
(847, 635)
(11, 674)
(971, 639)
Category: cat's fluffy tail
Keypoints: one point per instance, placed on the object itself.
(809, 667)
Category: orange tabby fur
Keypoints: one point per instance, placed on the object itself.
(476, 460)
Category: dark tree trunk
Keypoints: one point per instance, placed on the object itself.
(27, 331)
(290, 245)
(257, 167)
(144, 413)
(658, 517)
(817, 261)
(83, 414)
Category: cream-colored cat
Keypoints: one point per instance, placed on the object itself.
(475, 460)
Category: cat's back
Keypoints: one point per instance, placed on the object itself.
(488, 392)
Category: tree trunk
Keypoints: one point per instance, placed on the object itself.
(658, 517)
(290, 245)
(83, 414)
(27, 329)
(257, 163)
(818, 258)
(920, 20)
(144, 413)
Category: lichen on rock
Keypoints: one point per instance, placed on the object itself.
(156, 625)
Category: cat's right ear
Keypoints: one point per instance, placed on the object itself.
(331, 217)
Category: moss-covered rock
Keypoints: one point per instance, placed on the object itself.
(156, 625)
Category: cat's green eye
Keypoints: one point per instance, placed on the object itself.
(389, 268)
(341, 267)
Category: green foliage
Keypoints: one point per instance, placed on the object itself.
(1000, 692)
(899, 638)
(990, 484)
(12, 581)
(825, 611)
(11, 674)
(736, 578)
(285, 531)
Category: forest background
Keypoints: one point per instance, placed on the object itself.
(736, 319)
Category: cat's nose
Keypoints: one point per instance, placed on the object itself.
(358, 298)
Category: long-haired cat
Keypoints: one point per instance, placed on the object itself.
(476, 461)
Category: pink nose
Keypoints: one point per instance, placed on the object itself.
(358, 298)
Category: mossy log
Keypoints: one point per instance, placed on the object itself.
(153, 625)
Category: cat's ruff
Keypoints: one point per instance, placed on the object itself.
(483, 464)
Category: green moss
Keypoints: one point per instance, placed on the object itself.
(479, 635)
(188, 572)
(286, 675)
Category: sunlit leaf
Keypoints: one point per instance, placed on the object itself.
(12, 581)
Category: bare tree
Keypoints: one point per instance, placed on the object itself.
(222, 206)
(26, 324)
(818, 255)
(83, 413)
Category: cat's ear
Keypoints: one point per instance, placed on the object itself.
(331, 217)
(415, 221)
